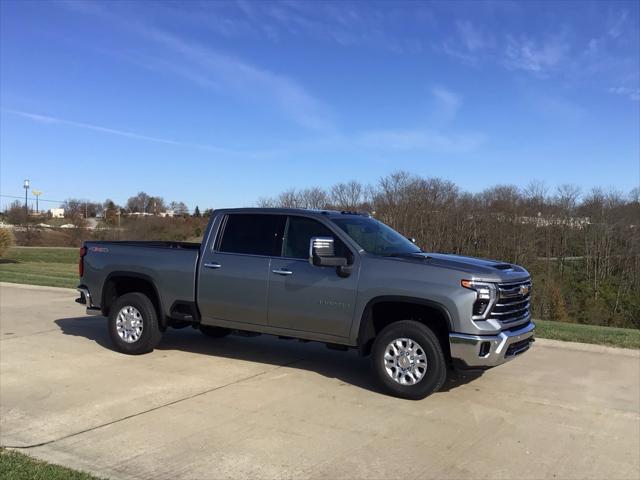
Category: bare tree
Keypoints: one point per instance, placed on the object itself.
(138, 203)
(313, 197)
(566, 197)
(347, 196)
(535, 194)
(179, 208)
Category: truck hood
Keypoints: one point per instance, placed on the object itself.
(478, 268)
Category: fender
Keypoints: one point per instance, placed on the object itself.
(141, 276)
(365, 330)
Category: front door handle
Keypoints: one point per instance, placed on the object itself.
(212, 265)
(282, 271)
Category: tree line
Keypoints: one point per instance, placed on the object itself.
(141, 203)
(582, 248)
(76, 208)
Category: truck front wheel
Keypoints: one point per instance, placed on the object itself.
(408, 360)
(133, 324)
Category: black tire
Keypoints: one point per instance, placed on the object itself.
(150, 335)
(214, 332)
(436, 366)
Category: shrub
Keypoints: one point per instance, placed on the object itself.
(6, 240)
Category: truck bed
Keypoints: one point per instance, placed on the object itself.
(151, 244)
(170, 266)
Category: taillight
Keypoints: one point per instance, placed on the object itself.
(83, 252)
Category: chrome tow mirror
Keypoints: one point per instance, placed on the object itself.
(322, 253)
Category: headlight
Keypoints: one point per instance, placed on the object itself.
(486, 295)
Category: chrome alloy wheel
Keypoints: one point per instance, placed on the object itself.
(129, 324)
(405, 361)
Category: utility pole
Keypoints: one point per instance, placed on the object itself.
(37, 194)
(26, 189)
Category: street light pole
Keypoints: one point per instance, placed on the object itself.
(37, 193)
(26, 189)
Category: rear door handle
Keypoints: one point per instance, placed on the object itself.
(212, 265)
(282, 271)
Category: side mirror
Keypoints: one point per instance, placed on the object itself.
(322, 254)
(321, 247)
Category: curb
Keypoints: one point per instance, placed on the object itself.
(37, 287)
(587, 347)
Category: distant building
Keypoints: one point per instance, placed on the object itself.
(168, 213)
(546, 221)
(56, 212)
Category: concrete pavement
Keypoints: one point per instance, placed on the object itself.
(267, 408)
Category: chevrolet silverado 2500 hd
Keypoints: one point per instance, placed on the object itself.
(342, 278)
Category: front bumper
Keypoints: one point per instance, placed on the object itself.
(485, 351)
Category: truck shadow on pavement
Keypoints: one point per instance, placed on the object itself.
(348, 367)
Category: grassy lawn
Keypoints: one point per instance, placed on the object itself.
(56, 267)
(17, 466)
(573, 332)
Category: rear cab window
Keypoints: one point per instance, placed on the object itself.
(252, 234)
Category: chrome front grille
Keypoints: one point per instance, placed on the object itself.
(513, 302)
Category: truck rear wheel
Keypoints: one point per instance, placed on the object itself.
(133, 324)
(408, 360)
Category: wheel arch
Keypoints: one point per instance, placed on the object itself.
(118, 283)
(428, 312)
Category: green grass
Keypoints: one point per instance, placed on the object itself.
(57, 267)
(44, 254)
(17, 466)
(573, 332)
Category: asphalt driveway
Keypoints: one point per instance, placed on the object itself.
(266, 408)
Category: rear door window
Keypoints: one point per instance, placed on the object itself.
(253, 234)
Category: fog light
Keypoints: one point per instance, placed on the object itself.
(484, 348)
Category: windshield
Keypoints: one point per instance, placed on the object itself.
(375, 237)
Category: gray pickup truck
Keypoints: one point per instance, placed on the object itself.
(342, 278)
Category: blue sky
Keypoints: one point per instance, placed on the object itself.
(218, 104)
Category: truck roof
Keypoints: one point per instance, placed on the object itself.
(286, 211)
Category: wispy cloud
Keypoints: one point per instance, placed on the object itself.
(525, 53)
(50, 120)
(555, 107)
(631, 93)
(248, 79)
(469, 43)
(473, 37)
(345, 23)
(439, 138)
(447, 104)
(603, 55)
(418, 139)
(209, 67)
(617, 24)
